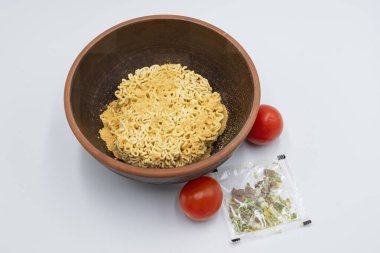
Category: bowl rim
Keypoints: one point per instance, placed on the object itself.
(212, 161)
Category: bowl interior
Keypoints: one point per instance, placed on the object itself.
(161, 41)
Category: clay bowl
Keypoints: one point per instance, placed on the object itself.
(204, 48)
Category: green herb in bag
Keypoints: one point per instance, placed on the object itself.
(260, 197)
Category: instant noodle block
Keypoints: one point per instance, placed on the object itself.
(164, 116)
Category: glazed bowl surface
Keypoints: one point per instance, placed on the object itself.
(145, 41)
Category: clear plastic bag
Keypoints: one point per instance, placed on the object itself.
(260, 198)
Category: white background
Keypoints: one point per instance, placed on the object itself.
(318, 62)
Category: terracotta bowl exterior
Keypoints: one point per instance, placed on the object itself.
(204, 48)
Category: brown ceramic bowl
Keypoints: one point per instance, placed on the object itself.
(204, 48)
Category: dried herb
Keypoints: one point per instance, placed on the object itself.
(261, 206)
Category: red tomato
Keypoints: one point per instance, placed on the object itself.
(267, 127)
(201, 198)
